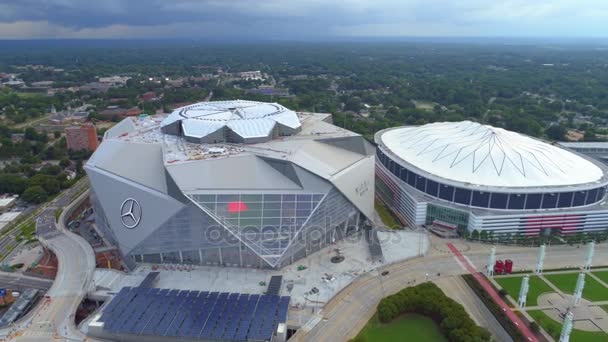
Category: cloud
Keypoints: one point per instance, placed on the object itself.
(299, 18)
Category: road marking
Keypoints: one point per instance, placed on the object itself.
(490, 290)
(459, 263)
(312, 323)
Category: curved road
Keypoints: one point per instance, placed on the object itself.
(346, 314)
(53, 317)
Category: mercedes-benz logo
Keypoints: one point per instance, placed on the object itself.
(130, 213)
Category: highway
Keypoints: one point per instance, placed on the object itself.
(46, 212)
(20, 282)
(349, 311)
(53, 317)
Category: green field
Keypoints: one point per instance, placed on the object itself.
(603, 275)
(409, 327)
(513, 284)
(386, 216)
(554, 328)
(593, 291)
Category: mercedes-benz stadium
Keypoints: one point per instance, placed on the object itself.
(233, 183)
(472, 177)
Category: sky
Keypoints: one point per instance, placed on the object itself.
(300, 19)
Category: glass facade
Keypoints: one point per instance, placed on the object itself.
(447, 215)
(265, 222)
(494, 200)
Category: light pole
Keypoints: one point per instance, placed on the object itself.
(578, 292)
(589, 256)
(540, 259)
(491, 262)
(567, 327)
(523, 292)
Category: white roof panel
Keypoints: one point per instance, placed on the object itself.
(248, 119)
(470, 152)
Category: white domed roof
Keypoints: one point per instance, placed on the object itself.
(248, 119)
(470, 152)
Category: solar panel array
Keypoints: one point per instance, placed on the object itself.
(195, 314)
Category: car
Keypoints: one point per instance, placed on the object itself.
(384, 273)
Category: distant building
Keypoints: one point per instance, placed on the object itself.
(115, 111)
(17, 137)
(115, 80)
(251, 75)
(148, 97)
(7, 202)
(15, 83)
(81, 137)
(96, 87)
(42, 84)
(135, 111)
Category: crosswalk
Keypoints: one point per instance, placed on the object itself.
(312, 323)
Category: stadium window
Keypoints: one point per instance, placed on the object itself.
(579, 198)
(533, 201)
(549, 201)
(516, 201)
(565, 199)
(498, 200)
(431, 187)
(446, 192)
(480, 199)
(462, 196)
(591, 197)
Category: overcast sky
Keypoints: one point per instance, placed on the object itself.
(301, 19)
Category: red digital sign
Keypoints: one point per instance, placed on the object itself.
(237, 207)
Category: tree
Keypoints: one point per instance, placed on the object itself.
(353, 104)
(534, 327)
(35, 194)
(475, 234)
(65, 162)
(556, 132)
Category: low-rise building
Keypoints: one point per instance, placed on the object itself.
(81, 137)
(7, 202)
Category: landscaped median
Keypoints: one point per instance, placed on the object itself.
(397, 312)
(494, 308)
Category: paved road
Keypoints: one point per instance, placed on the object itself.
(53, 318)
(46, 213)
(456, 288)
(483, 281)
(350, 310)
(20, 282)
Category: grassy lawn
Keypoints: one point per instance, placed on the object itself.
(386, 216)
(513, 284)
(554, 328)
(409, 327)
(593, 291)
(603, 275)
(605, 307)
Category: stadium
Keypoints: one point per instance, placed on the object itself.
(231, 183)
(467, 177)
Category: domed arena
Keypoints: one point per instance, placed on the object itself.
(468, 177)
(230, 183)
